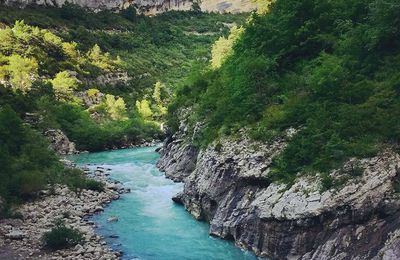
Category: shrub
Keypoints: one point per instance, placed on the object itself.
(396, 186)
(327, 182)
(94, 185)
(61, 237)
(27, 165)
(76, 180)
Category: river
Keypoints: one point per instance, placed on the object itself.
(150, 226)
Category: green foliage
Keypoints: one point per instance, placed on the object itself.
(50, 67)
(160, 96)
(164, 48)
(196, 7)
(327, 182)
(94, 185)
(27, 52)
(76, 180)
(130, 14)
(143, 107)
(100, 59)
(116, 107)
(326, 68)
(64, 84)
(27, 164)
(223, 47)
(60, 237)
(22, 72)
(158, 49)
(396, 186)
(263, 6)
(92, 92)
(89, 134)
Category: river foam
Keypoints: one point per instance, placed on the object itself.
(150, 226)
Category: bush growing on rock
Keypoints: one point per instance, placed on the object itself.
(61, 237)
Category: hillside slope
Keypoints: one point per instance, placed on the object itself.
(288, 141)
(101, 80)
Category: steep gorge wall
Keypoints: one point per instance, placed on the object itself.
(149, 7)
(227, 185)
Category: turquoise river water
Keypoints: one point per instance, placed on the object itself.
(150, 226)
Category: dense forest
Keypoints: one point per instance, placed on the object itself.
(102, 78)
(326, 68)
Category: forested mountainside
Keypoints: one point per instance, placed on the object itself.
(100, 80)
(324, 68)
(288, 141)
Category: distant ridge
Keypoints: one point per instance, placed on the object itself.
(148, 7)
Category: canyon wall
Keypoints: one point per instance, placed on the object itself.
(229, 185)
(148, 7)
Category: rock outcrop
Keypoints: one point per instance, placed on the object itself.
(179, 156)
(230, 187)
(111, 79)
(148, 7)
(59, 142)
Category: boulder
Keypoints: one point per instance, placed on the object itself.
(98, 209)
(59, 142)
(16, 234)
(112, 219)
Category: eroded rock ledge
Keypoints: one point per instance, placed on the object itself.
(227, 185)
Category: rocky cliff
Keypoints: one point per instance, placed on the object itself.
(59, 142)
(228, 185)
(149, 7)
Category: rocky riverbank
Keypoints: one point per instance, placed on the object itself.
(21, 238)
(228, 184)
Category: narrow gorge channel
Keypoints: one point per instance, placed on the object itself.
(150, 225)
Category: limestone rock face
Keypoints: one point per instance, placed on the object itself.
(178, 154)
(59, 142)
(229, 186)
(91, 4)
(148, 7)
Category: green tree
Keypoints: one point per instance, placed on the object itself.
(263, 6)
(100, 59)
(223, 47)
(22, 72)
(144, 109)
(64, 84)
(116, 107)
(196, 8)
(162, 110)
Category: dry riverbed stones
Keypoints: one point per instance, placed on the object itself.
(21, 238)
